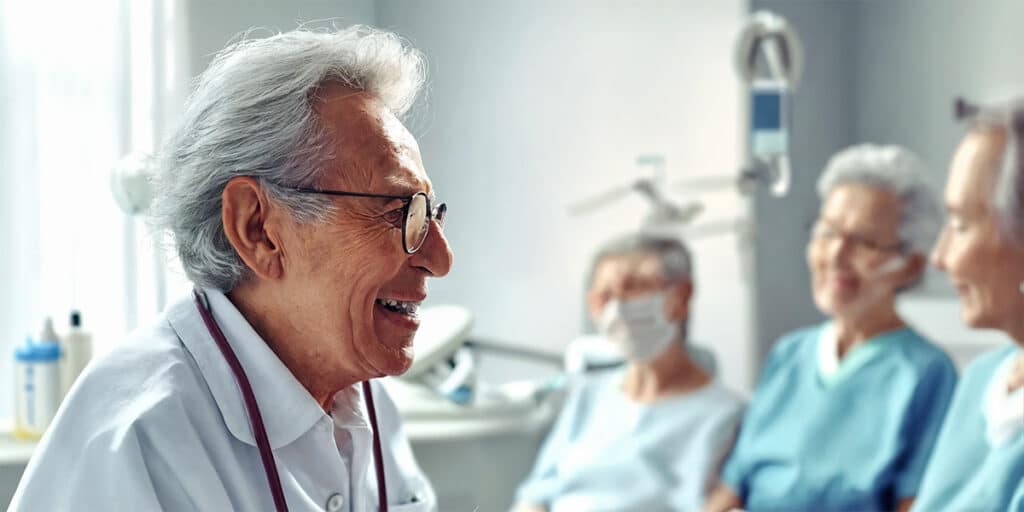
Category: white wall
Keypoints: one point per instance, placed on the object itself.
(915, 56)
(211, 25)
(534, 104)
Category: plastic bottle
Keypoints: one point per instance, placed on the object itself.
(48, 335)
(76, 350)
(36, 384)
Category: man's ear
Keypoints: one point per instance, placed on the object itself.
(250, 224)
(678, 301)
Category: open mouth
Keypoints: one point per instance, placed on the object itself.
(407, 308)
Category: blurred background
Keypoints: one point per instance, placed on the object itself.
(531, 106)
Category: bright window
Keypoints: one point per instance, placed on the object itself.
(79, 82)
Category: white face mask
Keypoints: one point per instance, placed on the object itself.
(638, 326)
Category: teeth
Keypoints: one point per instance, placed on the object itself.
(407, 307)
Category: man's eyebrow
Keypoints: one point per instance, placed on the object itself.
(408, 191)
(403, 186)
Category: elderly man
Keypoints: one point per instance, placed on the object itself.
(300, 208)
(652, 434)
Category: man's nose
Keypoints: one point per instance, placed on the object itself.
(435, 255)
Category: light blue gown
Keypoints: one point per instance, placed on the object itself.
(606, 452)
(857, 441)
(967, 472)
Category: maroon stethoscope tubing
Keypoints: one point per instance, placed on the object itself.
(256, 419)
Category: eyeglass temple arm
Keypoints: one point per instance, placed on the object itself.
(347, 194)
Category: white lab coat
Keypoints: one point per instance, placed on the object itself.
(160, 424)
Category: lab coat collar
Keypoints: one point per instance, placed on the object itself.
(287, 408)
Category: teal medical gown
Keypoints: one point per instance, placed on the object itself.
(966, 471)
(606, 452)
(857, 442)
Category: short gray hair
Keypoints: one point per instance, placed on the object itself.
(674, 256)
(1008, 192)
(898, 171)
(253, 114)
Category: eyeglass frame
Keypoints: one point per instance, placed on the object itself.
(857, 239)
(435, 214)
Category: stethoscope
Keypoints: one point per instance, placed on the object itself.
(256, 420)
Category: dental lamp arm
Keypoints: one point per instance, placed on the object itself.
(506, 348)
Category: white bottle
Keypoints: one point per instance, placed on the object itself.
(36, 384)
(76, 350)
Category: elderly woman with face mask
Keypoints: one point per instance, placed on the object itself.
(651, 435)
(846, 413)
(301, 210)
(979, 459)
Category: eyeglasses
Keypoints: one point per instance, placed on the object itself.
(416, 213)
(821, 231)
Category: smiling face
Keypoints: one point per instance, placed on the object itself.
(854, 249)
(344, 276)
(982, 263)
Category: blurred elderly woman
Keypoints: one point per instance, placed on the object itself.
(651, 435)
(846, 413)
(300, 208)
(979, 459)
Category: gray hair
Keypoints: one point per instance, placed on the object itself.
(898, 171)
(1008, 192)
(253, 114)
(674, 256)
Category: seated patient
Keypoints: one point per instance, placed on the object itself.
(846, 413)
(650, 435)
(978, 462)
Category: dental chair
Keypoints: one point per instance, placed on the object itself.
(474, 436)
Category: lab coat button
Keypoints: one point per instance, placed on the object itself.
(335, 502)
